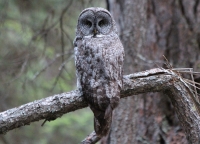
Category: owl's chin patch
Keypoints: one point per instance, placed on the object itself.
(99, 35)
(94, 36)
(88, 36)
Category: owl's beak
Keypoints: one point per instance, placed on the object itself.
(95, 31)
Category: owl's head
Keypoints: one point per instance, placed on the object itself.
(95, 22)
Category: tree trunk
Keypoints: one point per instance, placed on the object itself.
(149, 30)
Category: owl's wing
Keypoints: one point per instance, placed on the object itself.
(114, 62)
(78, 61)
(113, 68)
(114, 71)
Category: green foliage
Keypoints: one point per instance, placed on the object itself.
(33, 65)
(77, 124)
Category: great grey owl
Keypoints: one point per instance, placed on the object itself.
(99, 57)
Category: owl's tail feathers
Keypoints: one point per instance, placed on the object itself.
(102, 122)
(108, 112)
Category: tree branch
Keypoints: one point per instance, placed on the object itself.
(91, 139)
(154, 80)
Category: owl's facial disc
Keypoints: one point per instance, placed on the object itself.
(86, 22)
(103, 22)
(95, 24)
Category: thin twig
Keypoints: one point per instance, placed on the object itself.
(57, 78)
(21, 70)
(191, 83)
(62, 29)
(49, 64)
(189, 72)
(61, 68)
(70, 40)
(169, 66)
(181, 68)
(195, 90)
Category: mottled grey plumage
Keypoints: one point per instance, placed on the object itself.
(99, 57)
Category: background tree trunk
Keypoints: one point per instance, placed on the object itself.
(149, 30)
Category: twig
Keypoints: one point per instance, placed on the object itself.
(44, 68)
(191, 70)
(61, 28)
(61, 68)
(21, 70)
(58, 76)
(169, 66)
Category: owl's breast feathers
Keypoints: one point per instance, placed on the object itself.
(99, 64)
(99, 72)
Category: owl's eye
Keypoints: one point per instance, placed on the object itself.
(87, 23)
(102, 23)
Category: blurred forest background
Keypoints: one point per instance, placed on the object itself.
(36, 61)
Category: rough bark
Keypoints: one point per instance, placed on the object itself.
(48, 108)
(155, 80)
(150, 29)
